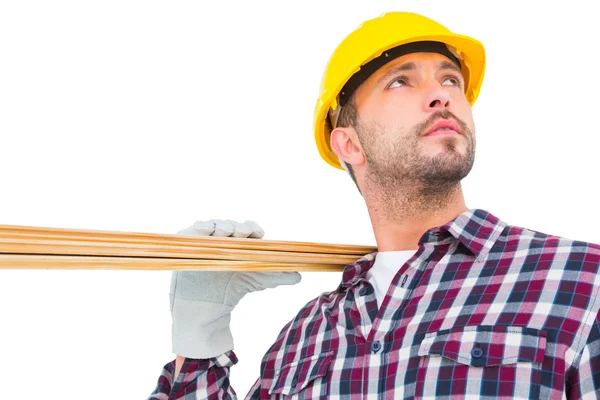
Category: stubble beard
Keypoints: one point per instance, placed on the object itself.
(403, 180)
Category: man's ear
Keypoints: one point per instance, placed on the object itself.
(344, 142)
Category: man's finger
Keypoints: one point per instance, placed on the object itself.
(200, 228)
(223, 228)
(205, 228)
(257, 231)
(241, 229)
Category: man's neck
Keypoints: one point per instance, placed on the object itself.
(400, 219)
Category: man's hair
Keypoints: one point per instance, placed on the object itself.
(349, 118)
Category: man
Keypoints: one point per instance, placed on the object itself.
(455, 302)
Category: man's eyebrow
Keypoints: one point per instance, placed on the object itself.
(449, 65)
(409, 66)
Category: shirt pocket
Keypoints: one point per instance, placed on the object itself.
(302, 379)
(481, 361)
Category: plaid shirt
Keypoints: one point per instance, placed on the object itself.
(482, 310)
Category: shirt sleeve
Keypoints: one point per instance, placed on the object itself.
(199, 379)
(584, 380)
(209, 378)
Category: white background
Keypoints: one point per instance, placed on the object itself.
(144, 116)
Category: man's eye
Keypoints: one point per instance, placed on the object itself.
(397, 83)
(453, 81)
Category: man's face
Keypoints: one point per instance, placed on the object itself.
(397, 107)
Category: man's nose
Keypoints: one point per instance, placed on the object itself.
(437, 99)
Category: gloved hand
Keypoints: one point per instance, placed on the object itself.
(202, 301)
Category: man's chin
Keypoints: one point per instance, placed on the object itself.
(448, 156)
(451, 165)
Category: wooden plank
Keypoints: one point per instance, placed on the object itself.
(38, 247)
(56, 247)
(16, 231)
(22, 261)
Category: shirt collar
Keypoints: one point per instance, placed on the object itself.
(476, 229)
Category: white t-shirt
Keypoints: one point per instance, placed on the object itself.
(387, 264)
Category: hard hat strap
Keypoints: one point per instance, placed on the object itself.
(373, 65)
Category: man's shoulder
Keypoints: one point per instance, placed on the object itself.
(531, 241)
(305, 334)
(312, 312)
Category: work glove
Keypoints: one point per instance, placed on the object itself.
(202, 301)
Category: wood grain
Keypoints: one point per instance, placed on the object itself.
(24, 247)
(23, 261)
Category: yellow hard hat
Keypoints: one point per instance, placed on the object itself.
(370, 40)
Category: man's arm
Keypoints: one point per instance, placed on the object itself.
(178, 364)
(201, 303)
(583, 381)
(198, 379)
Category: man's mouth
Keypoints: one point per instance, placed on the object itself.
(444, 127)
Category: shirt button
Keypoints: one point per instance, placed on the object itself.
(375, 347)
(476, 352)
(294, 382)
(363, 291)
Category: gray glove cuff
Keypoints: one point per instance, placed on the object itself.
(200, 329)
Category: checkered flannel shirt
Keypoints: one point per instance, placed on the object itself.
(483, 309)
